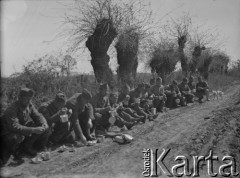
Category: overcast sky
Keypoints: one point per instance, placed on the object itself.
(27, 27)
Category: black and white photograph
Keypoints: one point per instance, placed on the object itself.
(120, 88)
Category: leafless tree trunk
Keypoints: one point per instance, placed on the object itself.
(98, 44)
(127, 58)
(184, 62)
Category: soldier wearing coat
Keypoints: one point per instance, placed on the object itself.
(52, 111)
(24, 129)
(185, 91)
(82, 116)
(101, 107)
(202, 89)
(159, 96)
(174, 96)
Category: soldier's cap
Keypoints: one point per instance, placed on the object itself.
(26, 92)
(104, 86)
(60, 97)
(174, 82)
(185, 79)
(159, 79)
(86, 94)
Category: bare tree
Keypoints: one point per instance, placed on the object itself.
(135, 29)
(179, 30)
(103, 22)
(98, 22)
(200, 40)
(164, 58)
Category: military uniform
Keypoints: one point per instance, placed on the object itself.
(186, 92)
(18, 124)
(99, 104)
(159, 97)
(127, 111)
(60, 132)
(79, 118)
(173, 93)
(201, 89)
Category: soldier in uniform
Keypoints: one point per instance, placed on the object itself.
(52, 111)
(185, 90)
(124, 98)
(191, 85)
(174, 97)
(25, 130)
(122, 118)
(159, 96)
(101, 107)
(82, 116)
(137, 93)
(202, 89)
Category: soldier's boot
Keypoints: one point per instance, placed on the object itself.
(121, 122)
(129, 125)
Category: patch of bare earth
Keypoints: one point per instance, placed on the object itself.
(191, 130)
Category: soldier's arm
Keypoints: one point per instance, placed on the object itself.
(13, 123)
(76, 126)
(37, 117)
(96, 108)
(50, 119)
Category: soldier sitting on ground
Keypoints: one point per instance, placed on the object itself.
(147, 99)
(138, 92)
(202, 89)
(122, 118)
(82, 117)
(174, 97)
(135, 99)
(158, 94)
(54, 112)
(185, 90)
(101, 106)
(192, 85)
(25, 130)
(124, 99)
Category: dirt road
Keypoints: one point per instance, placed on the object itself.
(191, 130)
